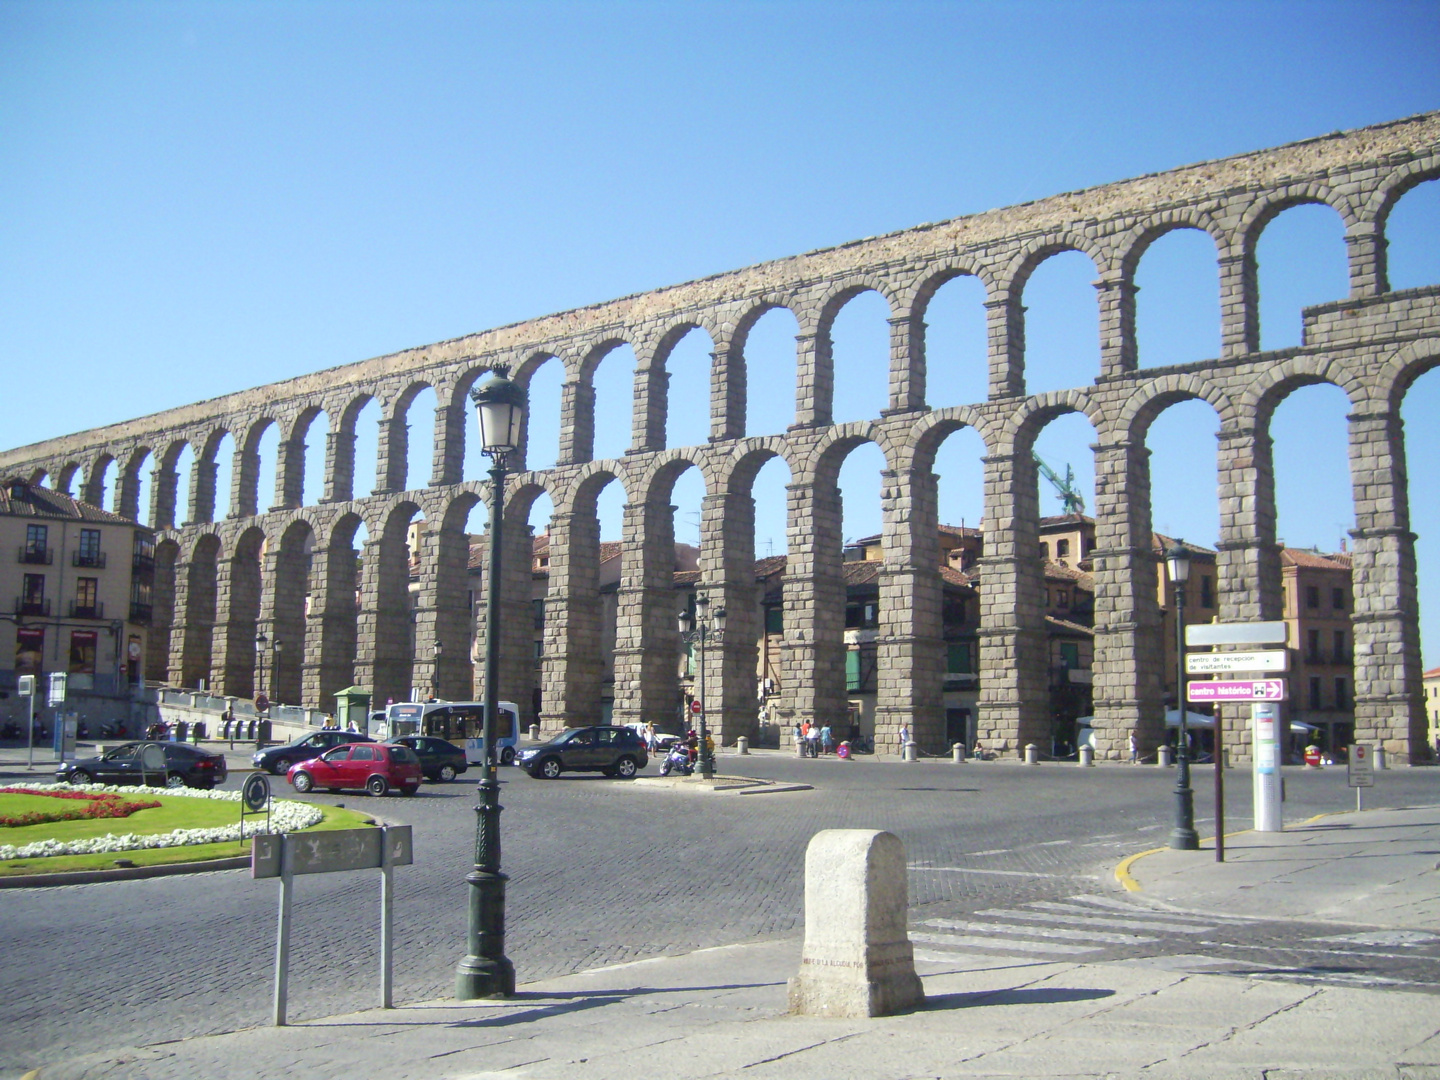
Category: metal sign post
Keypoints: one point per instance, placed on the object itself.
(152, 759)
(27, 688)
(285, 855)
(1360, 773)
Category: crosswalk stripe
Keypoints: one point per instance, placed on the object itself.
(1072, 915)
(992, 945)
(1038, 931)
(1132, 909)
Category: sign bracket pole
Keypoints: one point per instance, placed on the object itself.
(282, 933)
(387, 921)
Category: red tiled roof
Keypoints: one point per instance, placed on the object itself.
(41, 502)
(1314, 560)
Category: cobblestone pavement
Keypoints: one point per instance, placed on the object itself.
(603, 872)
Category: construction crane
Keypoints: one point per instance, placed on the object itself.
(1070, 497)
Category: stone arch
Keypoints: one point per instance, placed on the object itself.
(240, 668)
(288, 593)
(197, 634)
(65, 477)
(1389, 191)
(95, 478)
(204, 482)
(386, 604)
(247, 487)
(819, 389)
(1024, 425)
(915, 298)
(1132, 423)
(1399, 372)
(332, 630)
(127, 502)
(1275, 201)
(1278, 381)
(740, 417)
(162, 611)
(1131, 246)
(38, 476)
(926, 435)
(1012, 281)
(656, 392)
(394, 468)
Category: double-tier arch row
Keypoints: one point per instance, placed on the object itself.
(333, 575)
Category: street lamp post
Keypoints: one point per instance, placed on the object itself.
(696, 629)
(485, 970)
(437, 648)
(1183, 836)
(261, 641)
(275, 648)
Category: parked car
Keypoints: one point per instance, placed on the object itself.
(187, 765)
(375, 767)
(439, 759)
(277, 759)
(605, 748)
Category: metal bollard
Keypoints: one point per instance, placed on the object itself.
(742, 745)
(1032, 754)
(1087, 757)
(911, 751)
(534, 732)
(800, 747)
(1162, 757)
(1382, 759)
(957, 753)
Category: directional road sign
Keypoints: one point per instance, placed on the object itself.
(1236, 690)
(1220, 663)
(1243, 633)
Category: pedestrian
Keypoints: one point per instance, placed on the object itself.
(650, 735)
(1134, 749)
(812, 740)
(827, 739)
(904, 737)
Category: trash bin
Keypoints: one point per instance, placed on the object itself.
(264, 735)
(249, 726)
(225, 729)
(182, 729)
(198, 731)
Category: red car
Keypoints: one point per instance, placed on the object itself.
(376, 767)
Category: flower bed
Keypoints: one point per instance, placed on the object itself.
(285, 816)
(97, 805)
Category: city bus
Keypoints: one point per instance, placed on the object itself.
(459, 722)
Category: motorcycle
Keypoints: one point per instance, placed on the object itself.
(677, 760)
(113, 729)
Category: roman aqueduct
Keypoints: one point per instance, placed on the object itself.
(224, 572)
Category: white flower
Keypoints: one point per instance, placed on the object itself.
(286, 815)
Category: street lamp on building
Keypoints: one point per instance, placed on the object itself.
(485, 971)
(696, 629)
(1183, 836)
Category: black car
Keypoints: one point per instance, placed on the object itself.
(278, 759)
(439, 759)
(614, 751)
(187, 765)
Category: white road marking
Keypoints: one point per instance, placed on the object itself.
(1002, 946)
(1002, 873)
(1041, 931)
(1082, 916)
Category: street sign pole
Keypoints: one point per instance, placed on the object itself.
(1360, 772)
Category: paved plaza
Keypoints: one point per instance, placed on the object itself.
(1011, 878)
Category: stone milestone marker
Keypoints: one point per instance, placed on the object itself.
(857, 959)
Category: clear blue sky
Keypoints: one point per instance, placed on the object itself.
(199, 198)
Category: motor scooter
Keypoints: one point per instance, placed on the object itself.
(677, 760)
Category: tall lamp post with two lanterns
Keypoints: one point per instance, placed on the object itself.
(485, 970)
(695, 629)
(1183, 836)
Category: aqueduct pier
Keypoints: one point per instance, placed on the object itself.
(224, 573)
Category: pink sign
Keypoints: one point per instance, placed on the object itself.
(1236, 690)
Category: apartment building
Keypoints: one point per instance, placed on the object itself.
(76, 593)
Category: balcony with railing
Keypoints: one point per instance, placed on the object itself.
(140, 613)
(37, 555)
(31, 607)
(88, 558)
(81, 610)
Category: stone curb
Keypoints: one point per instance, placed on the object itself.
(720, 785)
(127, 873)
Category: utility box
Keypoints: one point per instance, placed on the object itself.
(352, 706)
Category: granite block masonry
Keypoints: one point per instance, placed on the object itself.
(857, 959)
(224, 573)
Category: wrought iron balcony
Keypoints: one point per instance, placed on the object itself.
(88, 558)
(35, 555)
(86, 611)
(31, 607)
